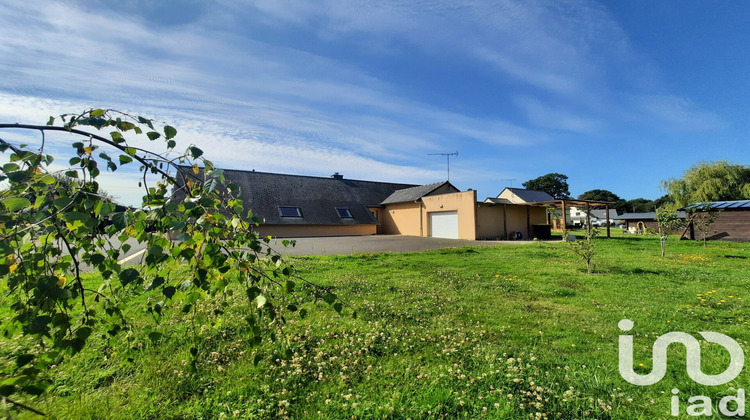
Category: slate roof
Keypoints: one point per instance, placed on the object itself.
(602, 214)
(495, 200)
(530, 196)
(722, 205)
(645, 216)
(317, 197)
(415, 193)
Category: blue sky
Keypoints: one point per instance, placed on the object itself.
(616, 95)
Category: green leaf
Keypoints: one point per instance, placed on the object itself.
(120, 220)
(153, 135)
(61, 203)
(72, 216)
(16, 203)
(146, 121)
(128, 276)
(337, 307)
(24, 359)
(261, 301)
(96, 112)
(10, 167)
(47, 179)
(289, 286)
(252, 292)
(211, 184)
(329, 298)
(51, 120)
(169, 131)
(195, 152)
(169, 291)
(125, 159)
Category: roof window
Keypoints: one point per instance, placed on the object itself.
(288, 211)
(344, 213)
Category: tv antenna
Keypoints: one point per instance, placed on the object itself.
(448, 159)
(508, 180)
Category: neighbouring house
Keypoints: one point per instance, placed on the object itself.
(732, 222)
(577, 216)
(599, 217)
(522, 196)
(304, 206)
(642, 222)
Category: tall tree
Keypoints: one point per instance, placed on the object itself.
(604, 195)
(644, 205)
(710, 181)
(553, 184)
(599, 195)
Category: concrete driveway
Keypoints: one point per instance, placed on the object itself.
(377, 243)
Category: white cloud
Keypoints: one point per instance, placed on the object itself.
(240, 82)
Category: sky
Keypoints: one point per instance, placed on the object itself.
(616, 95)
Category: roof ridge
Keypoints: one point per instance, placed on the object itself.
(304, 176)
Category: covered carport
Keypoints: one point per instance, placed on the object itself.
(588, 205)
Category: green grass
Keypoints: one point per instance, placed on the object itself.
(501, 332)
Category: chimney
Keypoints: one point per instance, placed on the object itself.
(337, 176)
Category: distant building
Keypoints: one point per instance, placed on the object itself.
(732, 222)
(642, 222)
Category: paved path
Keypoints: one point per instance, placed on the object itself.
(376, 243)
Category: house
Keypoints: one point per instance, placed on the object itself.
(299, 206)
(441, 210)
(522, 196)
(641, 222)
(732, 222)
(577, 216)
(599, 217)
(306, 206)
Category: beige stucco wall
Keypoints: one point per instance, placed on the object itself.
(444, 189)
(510, 196)
(401, 219)
(414, 218)
(464, 203)
(301, 231)
(490, 220)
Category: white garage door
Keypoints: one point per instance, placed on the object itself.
(444, 224)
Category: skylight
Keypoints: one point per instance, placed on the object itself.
(288, 211)
(344, 213)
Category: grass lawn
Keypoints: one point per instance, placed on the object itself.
(514, 331)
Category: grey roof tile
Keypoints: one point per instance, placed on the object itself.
(722, 205)
(530, 196)
(415, 193)
(317, 197)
